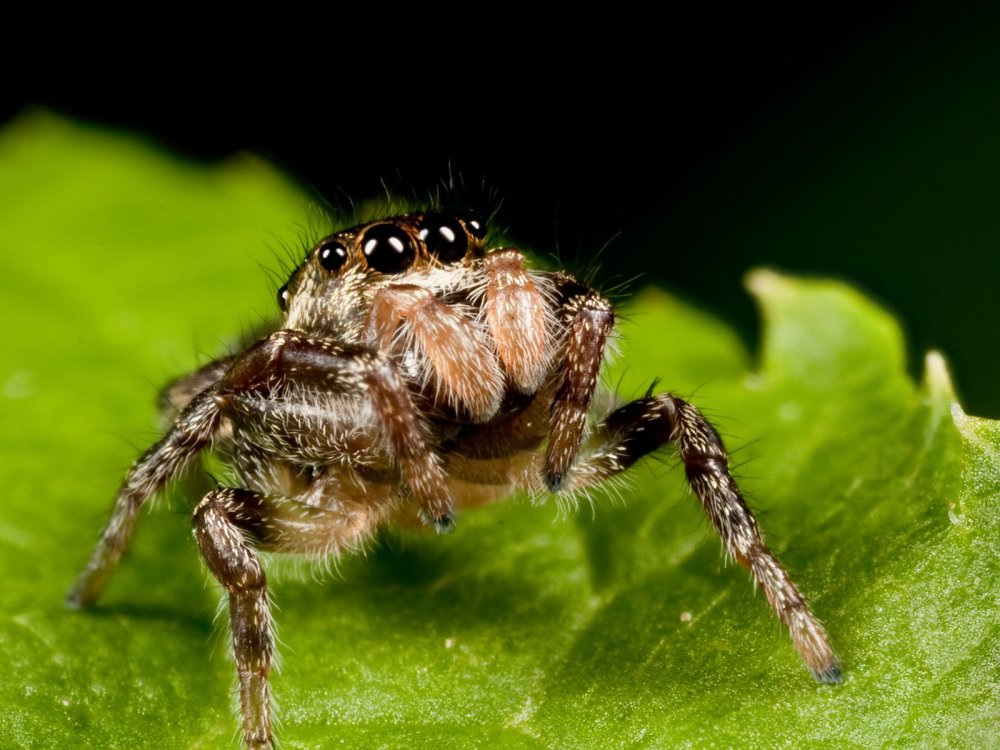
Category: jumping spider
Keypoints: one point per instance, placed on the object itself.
(414, 372)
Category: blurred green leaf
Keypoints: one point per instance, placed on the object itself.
(620, 628)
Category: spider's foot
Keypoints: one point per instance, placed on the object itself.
(445, 524)
(555, 481)
(83, 594)
(830, 675)
(73, 599)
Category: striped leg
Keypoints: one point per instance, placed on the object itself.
(293, 359)
(641, 427)
(589, 320)
(229, 525)
(220, 521)
(193, 430)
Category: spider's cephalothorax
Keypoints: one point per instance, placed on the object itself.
(415, 371)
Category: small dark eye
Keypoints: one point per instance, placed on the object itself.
(332, 255)
(388, 248)
(444, 237)
(476, 225)
(283, 298)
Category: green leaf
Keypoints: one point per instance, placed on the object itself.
(524, 629)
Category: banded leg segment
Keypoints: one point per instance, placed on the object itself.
(228, 525)
(302, 363)
(177, 394)
(589, 319)
(220, 522)
(192, 431)
(641, 427)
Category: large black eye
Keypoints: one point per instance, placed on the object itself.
(388, 248)
(444, 237)
(283, 298)
(332, 255)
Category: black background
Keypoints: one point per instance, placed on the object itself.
(860, 144)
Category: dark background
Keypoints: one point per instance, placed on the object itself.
(860, 144)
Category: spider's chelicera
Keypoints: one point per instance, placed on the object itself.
(414, 372)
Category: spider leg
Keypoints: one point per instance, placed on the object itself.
(641, 427)
(460, 360)
(588, 319)
(230, 525)
(193, 430)
(220, 521)
(298, 362)
(178, 393)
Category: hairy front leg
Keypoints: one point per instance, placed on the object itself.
(297, 363)
(639, 428)
(192, 431)
(589, 319)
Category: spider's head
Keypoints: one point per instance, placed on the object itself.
(331, 291)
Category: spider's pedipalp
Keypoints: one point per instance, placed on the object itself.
(453, 349)
(518, 317)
